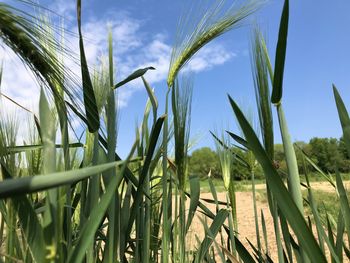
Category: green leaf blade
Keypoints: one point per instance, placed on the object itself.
(136, 74)
(92, 116)
(25, 185)
(194, 201)
(280, 55)
(284, 200)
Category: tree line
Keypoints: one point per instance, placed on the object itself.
(328, 154)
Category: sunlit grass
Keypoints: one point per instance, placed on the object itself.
(75, 200)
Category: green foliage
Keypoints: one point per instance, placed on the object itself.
(325, 153)
(203, 161)
(92, 117)
(72, 202)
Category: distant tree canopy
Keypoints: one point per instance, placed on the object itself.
(204, 160)
(326, 153)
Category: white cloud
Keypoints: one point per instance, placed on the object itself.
(208, 57)
(64, 8)
(134, 48)
(17, 81)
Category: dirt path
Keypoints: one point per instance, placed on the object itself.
(245, 214)
(245, 217)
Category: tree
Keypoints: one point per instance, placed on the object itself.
(245, 165)
(202, 161)
(299, 149)
(325, 153)
(345, 163)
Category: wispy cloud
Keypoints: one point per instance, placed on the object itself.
(17, 81)
(210, 56)
(134, 48)
(64, 8)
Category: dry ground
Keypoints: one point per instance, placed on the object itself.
(246, 224)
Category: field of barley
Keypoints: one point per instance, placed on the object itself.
(68, 195)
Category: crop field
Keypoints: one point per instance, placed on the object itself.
(68, 198)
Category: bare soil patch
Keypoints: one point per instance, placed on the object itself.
(245, 214)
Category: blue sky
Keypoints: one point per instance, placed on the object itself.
(318, 55)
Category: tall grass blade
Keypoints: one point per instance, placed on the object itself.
(318, 169)
(238, 139)
(237, 156)
(267, 59)
(320, 230)
(340, 234)
(113, 233)
(345, 123)
(48, 135)
(344, 203)
(264, 230)
(243, 252)
(89, 229)
(92, 116)
(262, 91)
(280, 55)
(279, 191)
(214, 229)
(292, 166)
(124, 216)
(51, 214)
(256, 221)
(166, 196)
(147, 162)
(229, 255)
(24, 148)
(330, 235)
(128, 173)
(30, 224)
(181, 108)
(276, 216)
(194, 201)
(152, 98)
(343, 117)
(212, 237)
(213, 193)
(262, 66)
(286, 237)
(26, 185)
(136, 74)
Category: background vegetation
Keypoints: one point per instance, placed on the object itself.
(68, 199)
(327, 153)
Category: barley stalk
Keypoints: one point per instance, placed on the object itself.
(214, 23)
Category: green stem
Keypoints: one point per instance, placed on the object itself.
(11, 229)
(147, 223)
(113, 210)
(291, 160)
(277, 232)
(292, 166)
(255, 212)
(166, 226)
(182, 222)
(232, 197)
